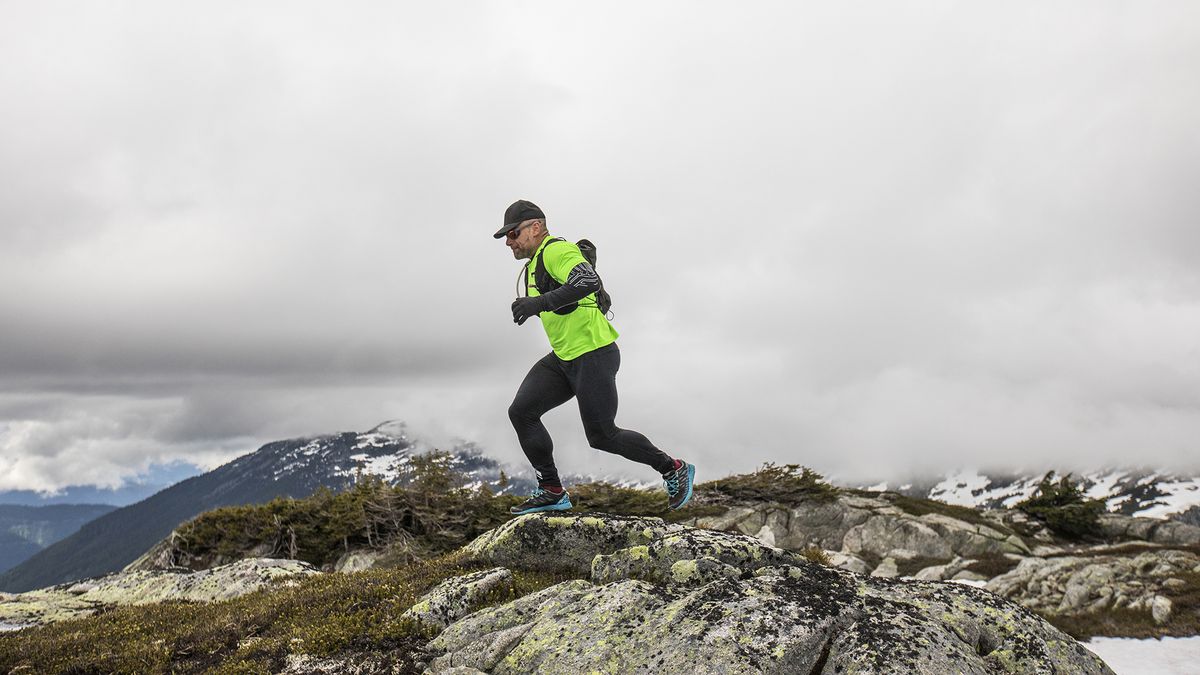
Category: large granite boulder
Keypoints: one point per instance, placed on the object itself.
(674, 600)
(571, 542)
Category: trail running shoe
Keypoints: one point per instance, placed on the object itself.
(679, 485)
(543, 500)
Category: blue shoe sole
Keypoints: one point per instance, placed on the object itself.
(687, 497)
(564, 505)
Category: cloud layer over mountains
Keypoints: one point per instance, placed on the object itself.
(872, 240)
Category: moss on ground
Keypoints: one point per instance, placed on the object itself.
(321, 615)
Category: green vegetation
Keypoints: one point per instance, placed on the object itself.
(813, 553)
(1184, 621)
(429, 516)
(788, 484)
(1063, 508)
(320, 615)
(607, 498)
(432, 515)
(421, 524)
(918, 506)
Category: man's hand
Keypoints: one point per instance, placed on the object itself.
(524, 308)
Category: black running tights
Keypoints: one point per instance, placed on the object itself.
(591, 378)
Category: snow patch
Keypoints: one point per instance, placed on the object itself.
(1180, 495)
(962, 488)
(1168, 656)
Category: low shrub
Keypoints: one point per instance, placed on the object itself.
(816, 554)
(1062, 506)
(788, 484)
(919, 506)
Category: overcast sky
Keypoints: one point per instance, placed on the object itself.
(873, 238)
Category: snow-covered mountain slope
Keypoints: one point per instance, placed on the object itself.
(1134, 492)
(385, 451)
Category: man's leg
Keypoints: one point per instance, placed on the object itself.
(595, 375)
(544, 387)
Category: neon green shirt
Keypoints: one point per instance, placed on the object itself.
(586, 328)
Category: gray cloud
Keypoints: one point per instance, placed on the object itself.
(871, 240)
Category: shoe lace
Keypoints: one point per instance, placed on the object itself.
(673, 484)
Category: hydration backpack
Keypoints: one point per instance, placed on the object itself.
(546, 283)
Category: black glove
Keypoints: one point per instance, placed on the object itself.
(524, 308)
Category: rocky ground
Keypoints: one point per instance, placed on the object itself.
(91, 596)
(664, 598)
(861, 582)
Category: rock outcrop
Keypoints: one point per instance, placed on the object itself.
(83, 598)
(867, 529)
(1117, 527)
(664, 598)
(1091, 583)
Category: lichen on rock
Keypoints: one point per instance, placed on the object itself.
(700, 601)
(454, 598)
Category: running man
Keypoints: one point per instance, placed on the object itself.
(583, 364)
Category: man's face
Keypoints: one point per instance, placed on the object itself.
(521, 239)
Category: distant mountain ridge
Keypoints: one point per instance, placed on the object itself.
(25, 530)
(1128, 491)
(288, 468)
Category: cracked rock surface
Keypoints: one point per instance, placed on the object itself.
(665, 598)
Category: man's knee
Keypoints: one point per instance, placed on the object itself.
(519, 414)
(600, 434)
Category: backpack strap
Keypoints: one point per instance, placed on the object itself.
(545, 282)
(539, 270)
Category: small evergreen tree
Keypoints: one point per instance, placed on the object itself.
(1064, 509)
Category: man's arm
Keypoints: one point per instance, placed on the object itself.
(581, 281)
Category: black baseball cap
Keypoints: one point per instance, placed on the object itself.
(520, 211)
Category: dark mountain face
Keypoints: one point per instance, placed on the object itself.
(292, 468)
(25, 530)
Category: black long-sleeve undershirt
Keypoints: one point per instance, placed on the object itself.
(581, 282)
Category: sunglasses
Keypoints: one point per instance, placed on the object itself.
(515, 232)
